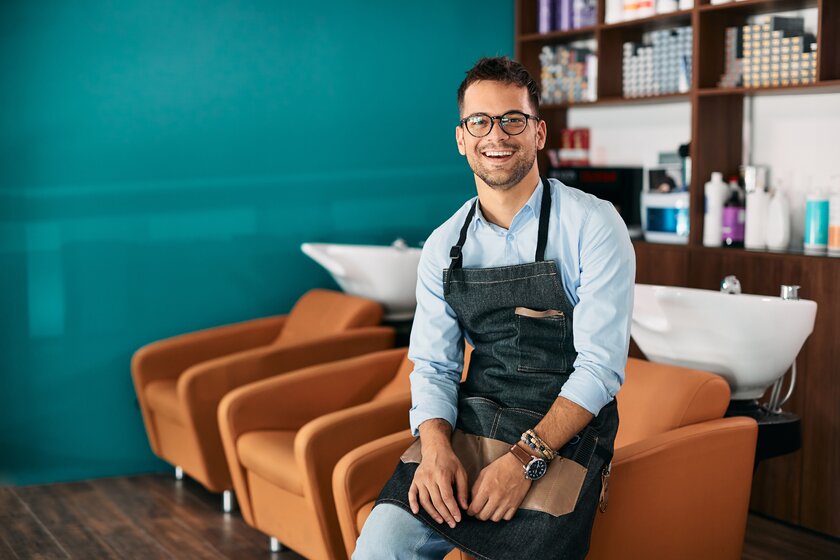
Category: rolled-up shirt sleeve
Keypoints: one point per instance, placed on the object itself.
(437, 343)
(603, 312)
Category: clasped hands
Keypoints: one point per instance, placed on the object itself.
(500, 488)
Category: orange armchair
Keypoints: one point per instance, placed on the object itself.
(283, 436)
(181, 380)
(680, 481)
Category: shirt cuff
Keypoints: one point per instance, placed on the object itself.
(584, 391)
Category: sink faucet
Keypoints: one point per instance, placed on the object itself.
(730, 285)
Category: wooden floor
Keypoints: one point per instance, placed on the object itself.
(153, 516)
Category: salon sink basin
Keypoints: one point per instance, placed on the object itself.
(386, 274)
(749, 340)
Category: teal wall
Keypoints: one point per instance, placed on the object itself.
(160, 164)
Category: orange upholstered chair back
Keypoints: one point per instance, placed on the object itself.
(400, 384)
(656, 398)
(320, 313)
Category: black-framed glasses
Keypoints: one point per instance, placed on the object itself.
(512, 122)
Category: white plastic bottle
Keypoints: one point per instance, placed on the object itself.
(755, 233)
(778, 222)
(716, 192)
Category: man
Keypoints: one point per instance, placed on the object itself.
(539, 279)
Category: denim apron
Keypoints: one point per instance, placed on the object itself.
(520, 362)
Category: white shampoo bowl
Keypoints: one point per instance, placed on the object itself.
(749, 340)
(387, 274)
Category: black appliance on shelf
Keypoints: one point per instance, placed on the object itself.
(622, 186)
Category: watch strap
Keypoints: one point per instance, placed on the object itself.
(523, 456)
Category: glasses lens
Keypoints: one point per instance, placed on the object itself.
(479, 125)
(513, 123)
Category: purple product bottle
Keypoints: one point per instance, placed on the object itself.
(734, 218)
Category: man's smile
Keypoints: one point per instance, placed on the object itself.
(497, 155)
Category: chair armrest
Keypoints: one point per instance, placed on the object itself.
(168, 358)
(321, 443)
(208, 382)
(287, 402)
(680, 494)
(359, 477)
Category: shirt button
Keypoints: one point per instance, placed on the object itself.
(510, 237)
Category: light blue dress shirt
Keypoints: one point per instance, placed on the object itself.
(588, 241)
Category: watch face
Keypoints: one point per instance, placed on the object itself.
(536, 469)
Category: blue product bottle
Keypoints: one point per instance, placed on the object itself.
(816, 224)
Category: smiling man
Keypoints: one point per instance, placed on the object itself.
(538, 277)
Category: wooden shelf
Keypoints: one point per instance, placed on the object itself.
(717, 116)
(564, 106)
(556, 36)
(736, 251)
(754, 7)
(667, 98)
(830, 86)
(659, 21)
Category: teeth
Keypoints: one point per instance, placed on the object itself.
(498, 154)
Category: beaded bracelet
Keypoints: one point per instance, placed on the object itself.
(533, 441)
(534, 444)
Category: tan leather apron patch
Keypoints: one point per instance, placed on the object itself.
(556, 493)
(537, 314)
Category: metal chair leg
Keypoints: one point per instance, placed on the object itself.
(274, 545)
(179, 473)
(228, 501)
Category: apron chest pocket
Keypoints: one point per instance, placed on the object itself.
(539, 339)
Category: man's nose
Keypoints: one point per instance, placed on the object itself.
(498, 132)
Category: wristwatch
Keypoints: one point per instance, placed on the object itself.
(535, 467)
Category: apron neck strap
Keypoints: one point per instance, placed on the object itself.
(545, 212)
(456, 252)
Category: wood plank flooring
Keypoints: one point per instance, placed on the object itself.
(153, 516)
(144, 517)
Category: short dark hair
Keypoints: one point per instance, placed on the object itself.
(501, 69)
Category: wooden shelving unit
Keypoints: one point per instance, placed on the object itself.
(799, 488)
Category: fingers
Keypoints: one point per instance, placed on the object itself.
(487, 511)
(426, 502)
(499, 514)
(433, 504)
(412, 499)
(478, 502)
(510, 513)
(461, 487)
(440, 507)
(449, 503)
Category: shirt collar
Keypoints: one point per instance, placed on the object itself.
(531, 209)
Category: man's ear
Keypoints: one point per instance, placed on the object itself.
(541, 134)
(459, 139)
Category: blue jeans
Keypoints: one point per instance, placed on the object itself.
(391, 533)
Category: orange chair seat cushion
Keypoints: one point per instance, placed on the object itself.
(163, 399)
(271, 455)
